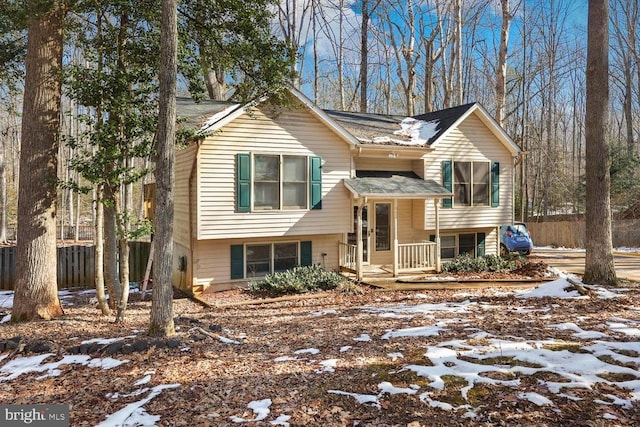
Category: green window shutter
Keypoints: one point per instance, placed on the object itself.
(495, 184)
(315, 182)
(480, 251)
(447, 181)
(306, 256)
(237, 261)
(243, 182)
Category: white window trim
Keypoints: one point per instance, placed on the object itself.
(272, 255)
(457, 244)
(453, 183)
(280, 182)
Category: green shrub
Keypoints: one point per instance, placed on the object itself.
(467, 264)
(298, 280)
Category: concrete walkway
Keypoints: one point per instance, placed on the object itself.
(572, 260)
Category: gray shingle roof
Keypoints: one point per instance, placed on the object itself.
(396, 186)
(367, 126)
(192, 115)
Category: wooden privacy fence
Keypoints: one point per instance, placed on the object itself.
(571, 234)
(66, 232)
(76, 266)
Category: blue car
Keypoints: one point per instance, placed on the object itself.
(515, 238)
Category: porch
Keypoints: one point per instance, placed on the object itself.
(410, 259)
(378, 231)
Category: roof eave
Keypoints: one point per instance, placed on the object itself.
(400, 151)
(320, 114)
(358, 194)
(401, 196)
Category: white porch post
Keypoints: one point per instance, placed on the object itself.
(498, 241)
(395, 237)
(436, 204)
(359, 249)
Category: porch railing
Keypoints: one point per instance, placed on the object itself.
(410, 256)
(348, 256)
(416, 255)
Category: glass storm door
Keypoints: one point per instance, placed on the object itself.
(383, 227)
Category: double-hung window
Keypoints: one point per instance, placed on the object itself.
(472, 183)
(268, 258)
(278, 182)
(262, 258)
(451, 246)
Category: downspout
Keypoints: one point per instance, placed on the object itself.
(436, 204)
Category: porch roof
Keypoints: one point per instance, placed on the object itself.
(396, 187)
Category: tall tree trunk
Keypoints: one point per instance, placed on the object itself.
(123, 246)
(216, 88)
(457, 7)
(98, 254)
(162, 297)
(364, 56)
(599, 266)
(111, 278)
(36, 288)
(3, 196)
(501, 72)
(316, 59)
(428, 77)
(343, 105)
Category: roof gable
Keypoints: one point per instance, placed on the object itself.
(451, 118)
(210, 116)
(446, 119)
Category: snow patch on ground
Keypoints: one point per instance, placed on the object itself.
(24, 365)
(260, 409)
(134, 414)
(560, 288)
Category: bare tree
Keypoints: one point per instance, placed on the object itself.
(406, 53)
(162, 297)
(293, 20)
(599, 266)
(625, 23)
(367, 10)
(501, 73)
(36, 288)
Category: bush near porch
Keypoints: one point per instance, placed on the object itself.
(298, 280)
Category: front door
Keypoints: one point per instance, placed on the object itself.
(376, 232)
(382, 231)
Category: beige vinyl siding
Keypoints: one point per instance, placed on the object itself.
(295, 132)
(181, 279)
(183, 167)
(472, 141)
(383, 164)
(212, 263)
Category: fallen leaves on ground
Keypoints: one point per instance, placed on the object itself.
(280, 362)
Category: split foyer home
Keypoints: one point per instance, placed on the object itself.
(265, 187)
